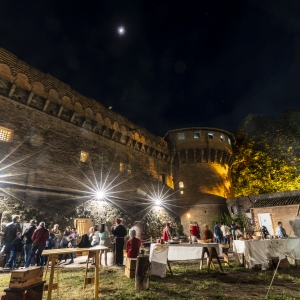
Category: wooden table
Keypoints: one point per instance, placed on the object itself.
(54, 256)
(211, 253)
(253, 252)
(182, 252)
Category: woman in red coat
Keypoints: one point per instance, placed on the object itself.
(133, 245)
(167, 233)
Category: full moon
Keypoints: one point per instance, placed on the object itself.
(121, 30)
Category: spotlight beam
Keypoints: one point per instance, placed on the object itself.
(21, 159)
(11, 152)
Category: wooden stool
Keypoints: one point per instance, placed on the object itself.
(130, 267)
(34, 292)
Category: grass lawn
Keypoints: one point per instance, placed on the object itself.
(188, 283)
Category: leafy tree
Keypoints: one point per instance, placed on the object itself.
(267, 154)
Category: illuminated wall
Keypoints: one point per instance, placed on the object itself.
(201, 160)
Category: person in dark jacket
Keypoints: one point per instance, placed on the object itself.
(119, 232)
(39, 238)
(10, 233)
(28, 241)
(218, 233)
(16, 248)
(50, 244)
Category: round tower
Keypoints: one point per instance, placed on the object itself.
(200, 160)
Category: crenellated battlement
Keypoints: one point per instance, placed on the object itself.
(199, 145)
(24, 84)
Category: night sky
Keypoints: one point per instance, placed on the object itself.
(178, 64)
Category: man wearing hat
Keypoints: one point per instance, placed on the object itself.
(167, 233)
(119, 232)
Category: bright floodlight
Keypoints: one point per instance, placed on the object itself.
(157, 202)
(100, 195)
(121, 30)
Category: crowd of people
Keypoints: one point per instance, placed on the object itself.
(35, 239)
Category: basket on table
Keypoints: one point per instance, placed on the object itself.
(256, 237)
(203, 241)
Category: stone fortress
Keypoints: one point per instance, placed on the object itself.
(58, 147)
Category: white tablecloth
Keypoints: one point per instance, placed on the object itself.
(181, 251)
(160, 254)
(259, 252)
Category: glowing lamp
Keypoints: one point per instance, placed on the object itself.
(157, 202)
(100, 195)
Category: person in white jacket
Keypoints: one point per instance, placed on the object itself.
(226, 233)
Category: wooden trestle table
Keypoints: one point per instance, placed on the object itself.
(53, 257)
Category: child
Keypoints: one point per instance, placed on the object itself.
(16, 248)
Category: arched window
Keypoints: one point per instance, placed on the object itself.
(181, 185)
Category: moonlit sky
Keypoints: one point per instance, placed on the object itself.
(177, 63)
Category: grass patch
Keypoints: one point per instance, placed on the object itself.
(188, 282)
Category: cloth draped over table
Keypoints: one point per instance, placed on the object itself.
(160, 254)
(158, 260)
(260, 252)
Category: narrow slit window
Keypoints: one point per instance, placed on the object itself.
(210, 135)
(222, 138)
(181, 185)
(229, 141)
(197, 135)
(84, 156)
(181, 136)
(6, 135)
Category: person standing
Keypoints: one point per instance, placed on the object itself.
(73, 243)
(16, 248)
(50, 244)
(57, 233)
(133, 245)
(64, 243)
(119, 231)
(226, 233)
(233, 229)
(218, 233)
(103, 242)
(281, 231)
(39, 239)
(96, 236)
(167, 233)
(10, 234)
(207, 233)
(28, 241)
